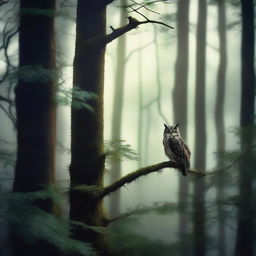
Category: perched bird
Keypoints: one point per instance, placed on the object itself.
(175, 148)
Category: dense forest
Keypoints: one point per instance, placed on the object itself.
(89, 90)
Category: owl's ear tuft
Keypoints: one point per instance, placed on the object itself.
(165, 126)
(176, 125)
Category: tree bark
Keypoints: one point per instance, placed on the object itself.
(219, 120)
(245, 222)
(180, 107)
(199, 232)
(117, 109)
(35, 106)
(87, 157)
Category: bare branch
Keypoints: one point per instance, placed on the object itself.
(141, 172)
(2, 98)
(2, 2)
(6, 42)
(233, 163)
(138, 49)
(132, 24)
(142, 210)
(8, 115)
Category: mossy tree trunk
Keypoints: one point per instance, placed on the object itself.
(180, 107)
(246, 210)
(87, 159)
(199, 218)
(35, 106)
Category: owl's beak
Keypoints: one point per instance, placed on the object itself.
(176, 125)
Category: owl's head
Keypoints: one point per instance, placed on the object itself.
(171, 130)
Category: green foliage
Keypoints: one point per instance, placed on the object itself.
(34, 224)
(75, 97)
(118, 150)
(123, 241)
(160, 208)
(34, 73)
(37, 11)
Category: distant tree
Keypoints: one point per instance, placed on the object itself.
(35, 105)
(180, 93)
(245, 240)
(117, 108)
(219, 120)
(199, 214)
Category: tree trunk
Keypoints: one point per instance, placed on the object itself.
(180, 107)
(117, 109)
(87, 157)
(219, 120)
(140, 106)
(199, 233)
(245, 222)
(35, 106)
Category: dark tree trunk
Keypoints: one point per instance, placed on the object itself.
(35, 106)
(245, 225)
(219, 120)
(180, 107)
(117, 109)
(199, 233)
(87, 159)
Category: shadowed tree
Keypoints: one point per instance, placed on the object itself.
(35, 105)
(245, 223)
(180, 105)
(199, 232)
(219, 120)
(115, 172)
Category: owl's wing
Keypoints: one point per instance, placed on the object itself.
(187, 149)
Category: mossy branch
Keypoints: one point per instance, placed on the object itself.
(138, 173)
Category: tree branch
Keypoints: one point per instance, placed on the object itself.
(132, 24)
(142, 210)
(141, 172)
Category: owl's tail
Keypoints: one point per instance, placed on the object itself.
(184, 171)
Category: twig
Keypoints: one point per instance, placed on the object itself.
(145, 6)
(2, 98)
(138, 49)
(243, 154)
(8, 115)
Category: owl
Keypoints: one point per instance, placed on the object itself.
(175, 148)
